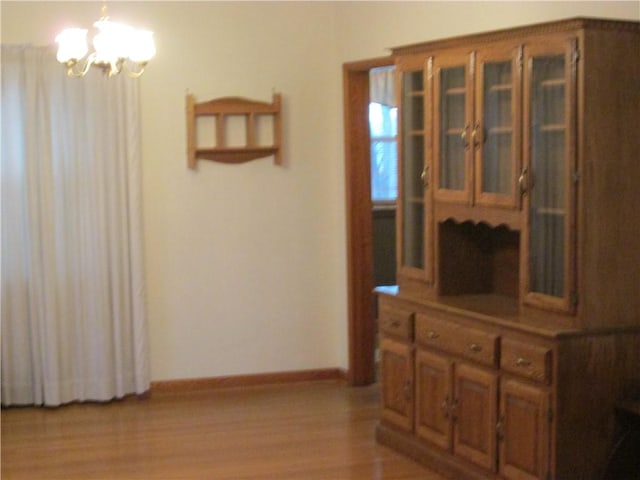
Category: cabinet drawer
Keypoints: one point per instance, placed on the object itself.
(526, 359)
(457, 339)
(396, 322)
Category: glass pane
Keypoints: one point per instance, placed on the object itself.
(452, 124)
(383, 129)
(498, 129)
(413, 245)
(383, 121)
(384, 170)
(548, 200)
(413, 165)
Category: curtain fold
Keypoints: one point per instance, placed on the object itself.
(73, 307)
(382, 86)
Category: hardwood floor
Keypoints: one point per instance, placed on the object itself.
(310, 431)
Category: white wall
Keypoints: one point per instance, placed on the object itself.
(246, 263)
(370, 29)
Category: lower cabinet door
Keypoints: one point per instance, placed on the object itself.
(433, 376)
(474, 411)
(396, 366)
(524, 431)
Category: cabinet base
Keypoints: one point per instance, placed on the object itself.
(436, 459)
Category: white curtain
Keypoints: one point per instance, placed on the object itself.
(73, 313)
(382, 86)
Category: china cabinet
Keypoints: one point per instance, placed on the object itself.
(515, 325)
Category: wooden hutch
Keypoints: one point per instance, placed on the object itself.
(515, 325)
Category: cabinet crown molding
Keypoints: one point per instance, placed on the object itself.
(546, 28)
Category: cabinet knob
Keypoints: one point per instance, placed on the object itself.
(475, 348)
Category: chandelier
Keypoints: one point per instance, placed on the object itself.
(117, 48)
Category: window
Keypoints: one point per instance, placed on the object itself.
(383, 125)
(383, 131)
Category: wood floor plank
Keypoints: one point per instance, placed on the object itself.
(309, 431)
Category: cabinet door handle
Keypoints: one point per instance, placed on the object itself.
(431, 335)
(424, 176)
(477, 135)
(522, 362)
(463, 136)
(522, 181)
(475, 348)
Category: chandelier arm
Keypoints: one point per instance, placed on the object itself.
(83, 71)
(115, 67)
(134, 73)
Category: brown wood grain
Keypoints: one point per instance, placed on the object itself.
(317, 431)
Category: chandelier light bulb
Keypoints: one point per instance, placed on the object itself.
(111, 42)
(72, 44)
(143, 47)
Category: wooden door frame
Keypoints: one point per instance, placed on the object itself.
(355, 88)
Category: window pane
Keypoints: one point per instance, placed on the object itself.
(383, 126)
(384, 170)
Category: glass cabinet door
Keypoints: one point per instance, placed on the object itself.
(496, 130)
(413, 172)
(549, 133)
(452, 124)
(412, 167)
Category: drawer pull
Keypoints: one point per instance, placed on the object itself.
(475, 348)
(431, 335)
(393, 323)
(523, 362)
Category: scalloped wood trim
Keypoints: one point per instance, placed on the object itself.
(494, 217)
(221, 109)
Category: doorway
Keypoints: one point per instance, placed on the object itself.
(359, 208)
(383, 138)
